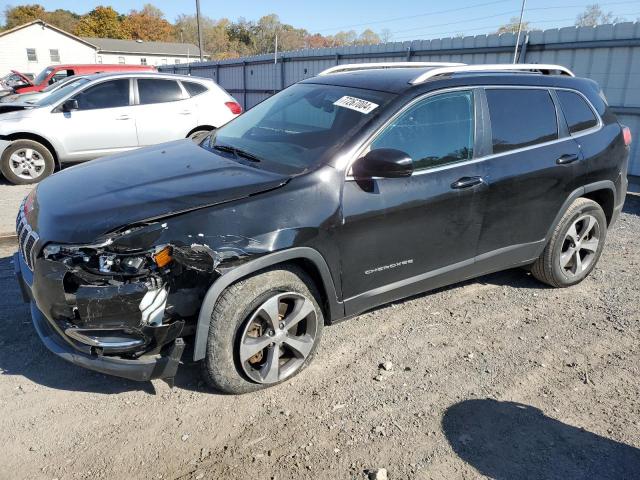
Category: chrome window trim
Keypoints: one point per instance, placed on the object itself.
(367, 144)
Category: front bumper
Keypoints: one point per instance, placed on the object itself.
(146, 367)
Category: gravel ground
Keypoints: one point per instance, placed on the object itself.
(10, 198)
(499, 377)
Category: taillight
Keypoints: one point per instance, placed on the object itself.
(235, 107)
(626, 134)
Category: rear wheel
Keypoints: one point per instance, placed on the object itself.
(26, 161)
(263, 331)
(575, 245)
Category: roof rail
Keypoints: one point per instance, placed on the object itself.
(519, 67)
(348, 67)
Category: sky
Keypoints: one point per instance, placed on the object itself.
(405, 19)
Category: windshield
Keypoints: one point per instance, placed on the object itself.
(60, 84)
(42, 75)
(300, 126)
(62, 92)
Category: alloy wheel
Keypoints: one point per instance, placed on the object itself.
(278, 337)
(580, 245)
(26, 163)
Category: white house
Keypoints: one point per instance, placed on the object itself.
(31, 47)
(137, 52)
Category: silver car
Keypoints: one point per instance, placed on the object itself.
(101, 114)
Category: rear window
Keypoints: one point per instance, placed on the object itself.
(578, 114)
(521, 117)
(194, 88)
(158, 91)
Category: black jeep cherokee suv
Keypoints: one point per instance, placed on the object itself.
(343, 192)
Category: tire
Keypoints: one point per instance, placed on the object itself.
(32, 158)
(240, 314)
(582, 231)
(199, 135)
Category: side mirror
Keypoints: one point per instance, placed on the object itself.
(71, 104)
(385, 163)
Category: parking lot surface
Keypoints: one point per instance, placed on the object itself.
(10, 198)
(497, 377)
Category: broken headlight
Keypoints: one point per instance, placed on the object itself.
(98, 259)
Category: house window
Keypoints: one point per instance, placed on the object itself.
(177, 61)
(99, 58)
(31, 55)
(143, 61)
(164, 61)
(54, 54)
(121, 60)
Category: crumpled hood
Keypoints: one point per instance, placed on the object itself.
(81, 203)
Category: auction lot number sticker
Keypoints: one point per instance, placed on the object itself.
(357, 104)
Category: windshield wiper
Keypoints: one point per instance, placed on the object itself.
(237, 152)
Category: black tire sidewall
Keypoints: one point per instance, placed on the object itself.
(560, 276)
(222, 364)
(17, 145)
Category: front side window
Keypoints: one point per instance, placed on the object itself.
(54, 54)
(578, 114)
(31, 55)
(434, 132)
(158, 91)
(110, 94)
(521, 117)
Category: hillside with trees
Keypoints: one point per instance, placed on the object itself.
(222, 38)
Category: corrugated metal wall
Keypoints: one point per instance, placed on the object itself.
(609, 54)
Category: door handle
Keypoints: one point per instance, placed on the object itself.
(467, 182)
(123, 117)
(567, 158)
(185, 112)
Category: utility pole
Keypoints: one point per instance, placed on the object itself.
(275, 54)
(199, 31)
(515, 52)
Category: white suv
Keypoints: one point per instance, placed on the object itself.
(107, 113)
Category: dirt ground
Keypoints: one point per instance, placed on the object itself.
(499, 377)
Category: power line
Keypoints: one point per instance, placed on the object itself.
(498, 26)
(468, 20)
(408, 17)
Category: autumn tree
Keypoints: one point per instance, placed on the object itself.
(148, 24)
(512, 26)
(15, 16)
(103, 22)
(368, 37)
(593, 15)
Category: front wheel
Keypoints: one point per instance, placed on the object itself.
(263, 331)
(574, 247)
(25, 161)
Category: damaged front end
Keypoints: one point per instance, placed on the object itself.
(111, 301)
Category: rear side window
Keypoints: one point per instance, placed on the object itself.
(158, 91)
(521, 117)
(434, 132)
(194, 88)
(578, 114)
(110, 94)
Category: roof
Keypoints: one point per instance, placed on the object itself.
(45, 24)
(398, 80)
(115, 45)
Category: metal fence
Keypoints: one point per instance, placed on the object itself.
(609, 54)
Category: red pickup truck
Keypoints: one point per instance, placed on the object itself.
(54, 73)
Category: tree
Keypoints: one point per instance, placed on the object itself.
(385, 35)
(316, 41)
(342, 39)
(103, 22)
(512, 26)
(148, 24)
(15, 16)
(593, 15)
(368, 37)
(63, 19)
